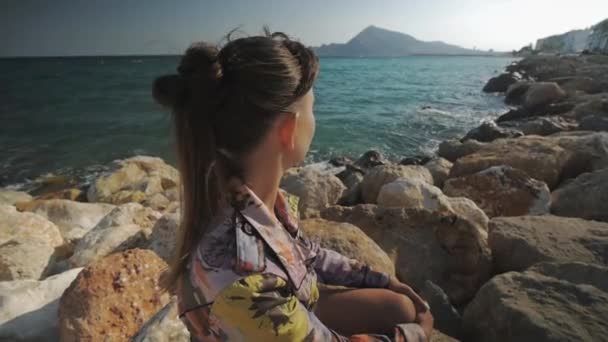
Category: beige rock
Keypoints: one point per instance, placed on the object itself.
(130, 213)
(315, 189)
(164, 326)
(440, 170)
(133, 180)
(411, 193)
(348, 240)
(111, 299)
(27, 227)
(28, 308)
(585, 197)
(376, 177)
(543, 93)
(11, 197)
(519, 242)
(550, 302)
(164, 232)
(502, 191)
(445, 247)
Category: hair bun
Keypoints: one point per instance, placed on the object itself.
(168, 90)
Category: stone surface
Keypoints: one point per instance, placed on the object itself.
(28, 308)
(550, 302)
(11, 196)
(500, 83)
(586, 196)
(515, 94)
(519, 242)
(439, 169)
(448, 248)
(348, 240)
(378, 176)
(541, 125)
(164, 326)
(452, 150)
(446, 317)
(543, 93)
(351, 178)
(31, 235)
(410, 193)
(490, 131)
(164, 232)
(133, 180)
(594, 123)
(315, 189)
(502, 191)
(111, 299)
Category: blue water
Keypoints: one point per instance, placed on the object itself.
(70, 116)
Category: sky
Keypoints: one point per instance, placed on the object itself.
(133, 27)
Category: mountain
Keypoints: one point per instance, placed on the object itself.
(378, 42)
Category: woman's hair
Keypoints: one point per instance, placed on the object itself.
(223, 101)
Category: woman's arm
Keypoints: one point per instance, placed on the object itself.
(262, 308)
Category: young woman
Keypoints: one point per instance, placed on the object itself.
(243, 271)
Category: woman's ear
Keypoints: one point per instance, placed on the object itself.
(287, 130)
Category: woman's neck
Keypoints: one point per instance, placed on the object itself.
(263, 178)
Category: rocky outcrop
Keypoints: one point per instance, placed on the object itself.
(112, 298)
(502, 191)
(450, 249)
(549, 302)
(586, 196)
(348, 240)
(569, 42)
(134, 179)
(378, 176)
(164, 326)
(519, 242)
(28, 308)
(315, 190)
(598, 40)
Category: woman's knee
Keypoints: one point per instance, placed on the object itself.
(401, 308)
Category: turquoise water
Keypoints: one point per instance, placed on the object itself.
(73, 115)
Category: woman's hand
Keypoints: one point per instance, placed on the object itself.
(396, 286)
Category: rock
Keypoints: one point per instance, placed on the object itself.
(162, 239)
(370, 159)
(11, 197)
(72, 194)
(519, 242)
(543, 93)
(446, 248)
(489, 131)
(516, 92)
(469, 210)
(541, 304)
(541, 125)
(452, 150)
(158, 201)
(502, 191)
(439, 169)
(574, 84)
(316, 190)
(111, 299)
(348, 240)
(540, 158)
(133, 180)
(411, 193)
(164, 326)
(351, 178)
(28, 308)
(415, 160)
(588, 151)
(586, 196)
(594, 123)
(447, 319)
(31, 235)
(375, 178)
(500, 83)
(72, 216)
(126, 226)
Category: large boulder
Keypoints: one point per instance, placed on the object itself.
(440, 170)
(164, 326)
(501, 83)
(515, 94)
(489, 131)
(448, 248)
(452, 150)
(411, 193)
(543, 93)
(586, 196)
(446, 318)
(11, 197)
(74, 219)
(378, 176)
(502, 191)
(549, 302)
(348, 240)
(519, 242)
(315, 189)
(112, 298)
(133, 180)
(541, 125)
(164, 232)
(29, 245)
(126, 226)
(28, 308)
(540, 158)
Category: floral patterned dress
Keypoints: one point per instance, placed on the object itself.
(252, 278)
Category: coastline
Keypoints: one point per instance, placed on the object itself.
(508, 221)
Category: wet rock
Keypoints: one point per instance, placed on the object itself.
(489, 131)
(502, 191)
(500, 83)
(516, 92)
(370, 159)
(415, 160)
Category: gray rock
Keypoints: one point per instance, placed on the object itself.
(447, 319)
(452, 150)
(594, 123)
(501, 83)
(541, 125)
(489, 131)
(586, 196)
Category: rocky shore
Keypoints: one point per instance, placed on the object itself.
(504, 231)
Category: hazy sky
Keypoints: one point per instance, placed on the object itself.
(87, 27)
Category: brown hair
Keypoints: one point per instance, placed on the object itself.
(223, 102)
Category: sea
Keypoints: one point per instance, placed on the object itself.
(70, 117)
